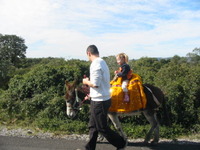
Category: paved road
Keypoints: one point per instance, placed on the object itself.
(19, 143)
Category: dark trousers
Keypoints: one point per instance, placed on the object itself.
(98, 124)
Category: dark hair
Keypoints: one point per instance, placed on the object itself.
(93, 50)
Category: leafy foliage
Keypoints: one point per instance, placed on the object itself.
(179, 82)
(12, 49)
(39, 92)
(12, 54)
(35, 92)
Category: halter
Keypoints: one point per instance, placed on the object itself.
(78, 100)
(76, 97)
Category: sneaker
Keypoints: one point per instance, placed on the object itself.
(126, 97)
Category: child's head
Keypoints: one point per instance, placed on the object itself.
(122, 58)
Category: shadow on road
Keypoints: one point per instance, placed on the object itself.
(21, 143)
(180, 145)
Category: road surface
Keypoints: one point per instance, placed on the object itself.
(20, 143)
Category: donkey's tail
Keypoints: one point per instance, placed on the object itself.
(166, 112)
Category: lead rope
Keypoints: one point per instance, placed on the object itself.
(77, 99)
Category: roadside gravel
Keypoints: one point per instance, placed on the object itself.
(29, 133)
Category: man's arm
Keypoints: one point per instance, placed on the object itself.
(89, 83)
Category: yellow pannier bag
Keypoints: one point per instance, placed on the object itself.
(136, 95)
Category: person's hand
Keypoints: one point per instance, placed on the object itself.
(87, 97)
(116, 72)
(85, 80)
(84, 76)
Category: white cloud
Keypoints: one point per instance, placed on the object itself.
(60, 28)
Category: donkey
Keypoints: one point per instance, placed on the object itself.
(76, 96)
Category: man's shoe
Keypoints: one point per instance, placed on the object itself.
(123, 148)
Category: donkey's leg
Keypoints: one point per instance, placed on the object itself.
(156, 131)
(150, 116)
(115, 120)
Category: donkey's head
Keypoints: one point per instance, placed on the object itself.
(75, 97)
(70, 97)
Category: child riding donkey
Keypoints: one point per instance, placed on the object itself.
(125, 72)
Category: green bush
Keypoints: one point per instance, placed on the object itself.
(36, 95)
(135, 131)
(140, 131)
(173, 132)
(41, 90)
(63, 126)
(180, 84)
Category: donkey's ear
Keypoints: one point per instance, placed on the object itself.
(75, 82)
(71, 84)
(67, 84)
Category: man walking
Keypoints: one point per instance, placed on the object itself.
(99, 84)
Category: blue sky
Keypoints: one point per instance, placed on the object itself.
(139, 28)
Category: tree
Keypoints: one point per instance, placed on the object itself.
(195, 55)
(12, 53)
(147, 68)
(180, 84)
(12, 49)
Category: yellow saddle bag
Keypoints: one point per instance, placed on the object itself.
(137, 97)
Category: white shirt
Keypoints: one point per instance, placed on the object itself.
(99, 76)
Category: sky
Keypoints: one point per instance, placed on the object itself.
(139, 28)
